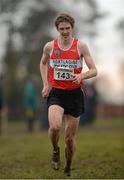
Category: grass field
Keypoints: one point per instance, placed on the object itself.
(99, 153)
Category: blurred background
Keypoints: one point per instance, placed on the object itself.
(25, 26)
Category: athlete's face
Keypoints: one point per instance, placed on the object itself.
(65, 30)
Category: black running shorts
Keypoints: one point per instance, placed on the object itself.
(72, 101)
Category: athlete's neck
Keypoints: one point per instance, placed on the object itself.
(65, 42)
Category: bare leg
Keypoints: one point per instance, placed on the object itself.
(70, 131)
(55, 121)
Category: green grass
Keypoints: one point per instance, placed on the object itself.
(99, 153)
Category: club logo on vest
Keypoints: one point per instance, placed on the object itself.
(57, 52)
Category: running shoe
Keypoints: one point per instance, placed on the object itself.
(56, 159)
(67, 171)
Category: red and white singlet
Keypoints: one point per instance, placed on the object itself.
(63, 64)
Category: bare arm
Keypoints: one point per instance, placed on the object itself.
(89, 62)
(44, 69)
(92, 71)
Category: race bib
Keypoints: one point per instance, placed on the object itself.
(65, 74)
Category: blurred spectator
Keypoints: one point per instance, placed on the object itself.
(90, 104)
(44, 114)
(30, 102)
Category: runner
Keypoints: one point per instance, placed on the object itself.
(62, 76)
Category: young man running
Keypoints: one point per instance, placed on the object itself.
(62, 76)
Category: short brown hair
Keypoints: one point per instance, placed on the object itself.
(64, 17)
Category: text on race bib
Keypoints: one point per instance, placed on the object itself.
(63, 73)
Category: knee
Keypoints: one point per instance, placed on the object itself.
(55, 128)
(69, 140)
